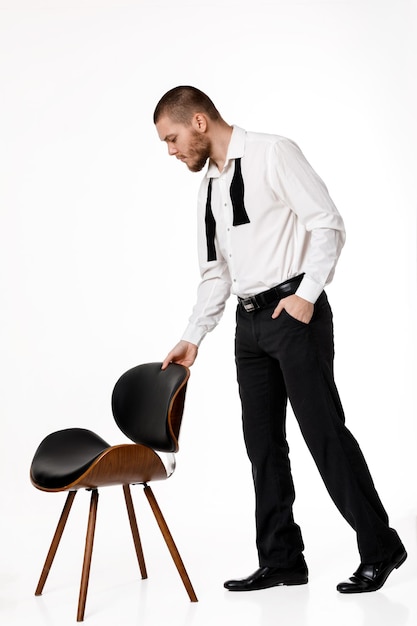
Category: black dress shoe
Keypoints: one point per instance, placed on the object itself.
(370, 577)
(265, 577)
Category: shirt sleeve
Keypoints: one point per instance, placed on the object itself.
(303, 191)
(215, 286)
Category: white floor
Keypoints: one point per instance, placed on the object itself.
(212, 550)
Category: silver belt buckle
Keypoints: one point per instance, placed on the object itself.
(249, 305)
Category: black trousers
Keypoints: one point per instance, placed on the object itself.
(285, 359)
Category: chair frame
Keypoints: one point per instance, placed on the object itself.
(89, 541)
(124, 465)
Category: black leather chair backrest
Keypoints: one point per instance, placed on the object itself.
(148, 403)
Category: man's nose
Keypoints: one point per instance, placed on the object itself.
(172, 150)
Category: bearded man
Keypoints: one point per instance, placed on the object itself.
(269, 233)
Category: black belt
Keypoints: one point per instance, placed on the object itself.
(265, 298)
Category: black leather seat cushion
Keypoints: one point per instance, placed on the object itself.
(64, 456)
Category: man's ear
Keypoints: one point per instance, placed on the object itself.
(199, 122)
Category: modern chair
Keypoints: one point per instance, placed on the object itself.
(147, 405)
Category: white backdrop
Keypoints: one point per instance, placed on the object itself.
(98, 256)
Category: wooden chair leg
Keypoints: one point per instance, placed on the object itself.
(87, 554)
(135, 531)
(55, 542)
(170, 543)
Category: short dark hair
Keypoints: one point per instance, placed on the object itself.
(180, 104)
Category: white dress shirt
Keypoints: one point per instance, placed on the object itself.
(294, 228)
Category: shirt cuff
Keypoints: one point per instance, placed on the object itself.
(309, 290)
(194, 334)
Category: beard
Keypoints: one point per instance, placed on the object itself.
(198, 152)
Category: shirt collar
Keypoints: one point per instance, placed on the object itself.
(235, 150)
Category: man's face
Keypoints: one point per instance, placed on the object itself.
(184, 142)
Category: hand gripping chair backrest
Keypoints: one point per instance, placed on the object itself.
(148, 404)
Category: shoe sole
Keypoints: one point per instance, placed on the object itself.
(287, 583)
(292, 582)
